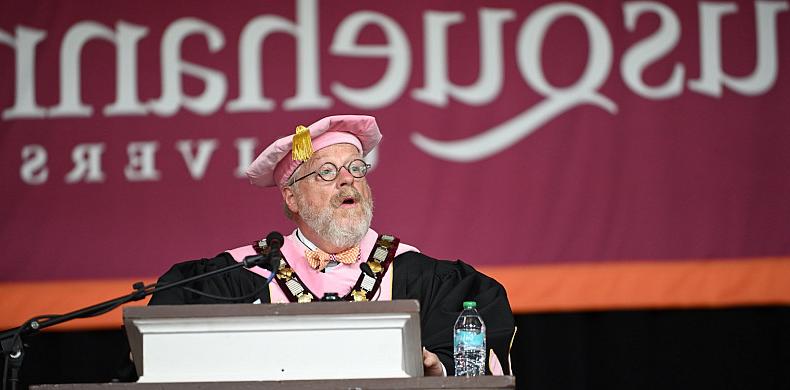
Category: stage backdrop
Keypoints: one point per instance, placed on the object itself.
(591, 154)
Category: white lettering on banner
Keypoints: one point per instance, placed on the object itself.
(34, 165)
(649, 50)
(173, 66)
(25, 48)
(584, 91)
(127, 101)
(246, 152)
(87, 164)
(437, 88)
(713, 76)
(142, 162)
(305, 31)
(391, 85)
(197, 162)
(126, 71)
(141, 165)
(489, 82)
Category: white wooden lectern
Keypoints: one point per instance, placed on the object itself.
(274, 342)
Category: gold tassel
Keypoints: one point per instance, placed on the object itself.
(302, 146)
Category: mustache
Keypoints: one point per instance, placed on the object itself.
(346, 193)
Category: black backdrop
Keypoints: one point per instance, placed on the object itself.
(737, 348)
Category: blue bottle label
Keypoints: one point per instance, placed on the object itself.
(468, 338)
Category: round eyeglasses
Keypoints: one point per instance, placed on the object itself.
(328, 171)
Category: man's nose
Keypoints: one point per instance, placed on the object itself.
(344, 177)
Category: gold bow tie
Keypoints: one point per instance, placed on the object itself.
(319, 259)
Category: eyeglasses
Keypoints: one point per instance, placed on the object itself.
(328, 171)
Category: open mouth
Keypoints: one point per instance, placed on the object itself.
(348, 198)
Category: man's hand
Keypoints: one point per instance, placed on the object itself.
(431, 364)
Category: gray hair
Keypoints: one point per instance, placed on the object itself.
(295, 188)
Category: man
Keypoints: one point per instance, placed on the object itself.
(320, 173)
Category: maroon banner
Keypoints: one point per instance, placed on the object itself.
(515, 133)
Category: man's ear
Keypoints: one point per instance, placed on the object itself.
(290, 199)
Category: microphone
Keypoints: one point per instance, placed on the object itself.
(274, 241)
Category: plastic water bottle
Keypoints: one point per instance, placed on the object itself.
(469, 342)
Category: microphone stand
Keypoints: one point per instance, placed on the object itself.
(11, 340)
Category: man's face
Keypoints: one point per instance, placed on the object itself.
(338, 211)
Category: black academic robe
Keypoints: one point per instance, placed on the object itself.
(440, 286)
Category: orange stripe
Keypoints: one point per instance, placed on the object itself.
(22, 301)
(646, 284)
(584, 286)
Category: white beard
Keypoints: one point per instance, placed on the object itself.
(343, 228)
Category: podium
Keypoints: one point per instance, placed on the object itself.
(321, 340)
(322, 345)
